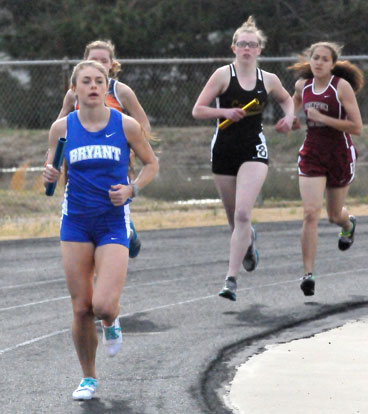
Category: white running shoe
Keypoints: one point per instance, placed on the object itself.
(112, 338)
(86, 389)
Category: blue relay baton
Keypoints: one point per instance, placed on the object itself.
(58, 160)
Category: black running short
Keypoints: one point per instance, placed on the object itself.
(229, 153)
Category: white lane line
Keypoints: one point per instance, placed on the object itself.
(185, 278)
(62, 279)
(40, 338)
(170, 305)
(31, 284)
(363, 269)
(68, 297)
(44, 282)
(31, 341)
(34, 303)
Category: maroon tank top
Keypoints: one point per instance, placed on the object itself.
(328, 103)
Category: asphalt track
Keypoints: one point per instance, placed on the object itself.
(182, 342)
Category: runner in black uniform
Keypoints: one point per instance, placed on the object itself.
(239, 152)
(244, 140)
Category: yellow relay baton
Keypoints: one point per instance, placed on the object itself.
(227, 122)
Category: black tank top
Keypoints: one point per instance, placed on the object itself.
(236, 96)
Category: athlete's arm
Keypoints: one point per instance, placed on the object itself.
(136, 137)
(68, 104)
(57, 130)
(298, 101)
(353, 124)
(216, 85)
(276, 90)
(297, 97)
(130, 101)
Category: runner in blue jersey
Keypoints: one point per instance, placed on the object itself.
(239, 152)
(120, 97)
(95, 225)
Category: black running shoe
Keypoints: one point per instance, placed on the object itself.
(229, 289)
(251, 258)
(308, 284)
(134, 247)
(346, 238)
(134, 244)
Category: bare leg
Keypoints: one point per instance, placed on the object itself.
(111, 269)
(226, 187)
(337, 213)
(78, 261)
(312, 191)
(248, 184)
(250, 179)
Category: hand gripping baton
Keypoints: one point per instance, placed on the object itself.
(58, 160)
(227, 122)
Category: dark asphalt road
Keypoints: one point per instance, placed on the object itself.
(181, 341)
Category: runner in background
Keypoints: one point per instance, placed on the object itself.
(239, 152)
(326, 92)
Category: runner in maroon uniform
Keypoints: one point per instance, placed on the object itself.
(327, 157)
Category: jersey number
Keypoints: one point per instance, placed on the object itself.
(262, 151)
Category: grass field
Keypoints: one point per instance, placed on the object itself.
(184, 174)
(155, 216)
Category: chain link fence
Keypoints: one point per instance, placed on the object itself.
(32, 91)
(31, 98)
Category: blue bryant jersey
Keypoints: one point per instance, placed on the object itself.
(95, 161)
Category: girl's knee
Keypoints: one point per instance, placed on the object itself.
(104, 310)
(82, 310)
(242, 216)
(312, 213)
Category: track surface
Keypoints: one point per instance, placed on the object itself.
(181, 341)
